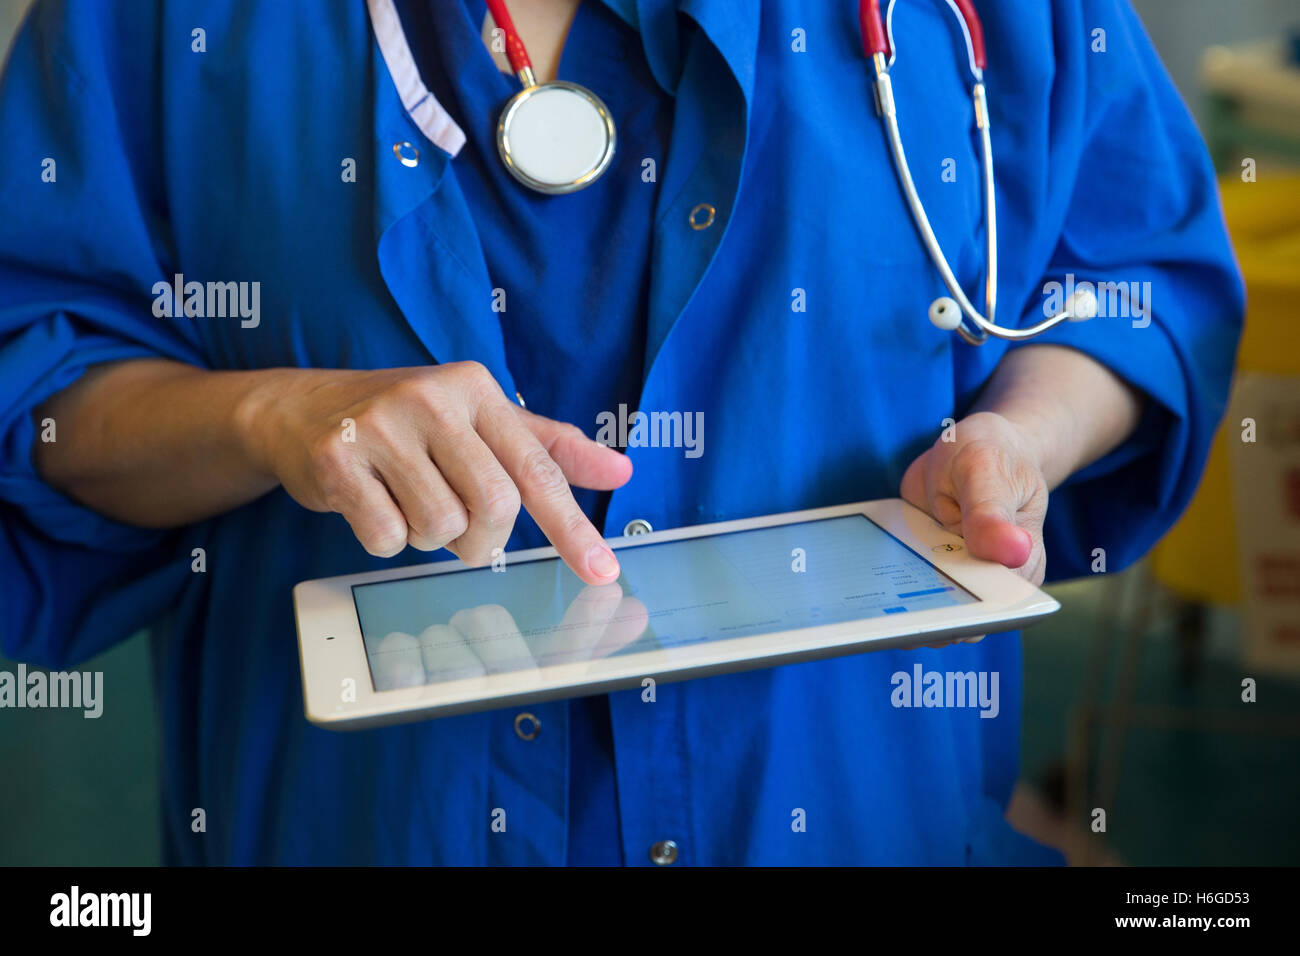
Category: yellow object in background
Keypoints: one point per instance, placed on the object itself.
(1197, 559)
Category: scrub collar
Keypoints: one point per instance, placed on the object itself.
(656, 21)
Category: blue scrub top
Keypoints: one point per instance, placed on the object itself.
(795, 322)
(574, 338)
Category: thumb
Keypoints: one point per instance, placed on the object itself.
(585, 463)
(991, 533)
(988, 514)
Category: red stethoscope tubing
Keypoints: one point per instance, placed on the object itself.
(515, 51)
(876, 40)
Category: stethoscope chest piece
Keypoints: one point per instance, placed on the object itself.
(556, 137)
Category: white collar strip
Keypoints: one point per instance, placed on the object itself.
(421, 105)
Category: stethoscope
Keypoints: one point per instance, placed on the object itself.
(559, 137)
(554, 137)
(952, 313)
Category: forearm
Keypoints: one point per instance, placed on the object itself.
(1071, 409)
(154, 443)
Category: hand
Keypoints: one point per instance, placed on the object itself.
(441, 458)
(987, 486)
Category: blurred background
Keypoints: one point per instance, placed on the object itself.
(1133, 692)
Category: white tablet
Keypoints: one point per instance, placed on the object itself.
(439, 639)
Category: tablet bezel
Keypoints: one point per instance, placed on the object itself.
(332, 650)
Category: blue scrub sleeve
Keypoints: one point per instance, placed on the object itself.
(82, 244)
(1144, 208)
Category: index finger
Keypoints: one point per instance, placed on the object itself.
(545, 492)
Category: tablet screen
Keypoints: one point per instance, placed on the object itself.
(458, 624)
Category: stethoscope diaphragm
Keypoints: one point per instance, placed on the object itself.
(556, 137)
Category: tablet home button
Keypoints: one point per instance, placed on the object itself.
(635, 527)
(663, 853)
(527, 726)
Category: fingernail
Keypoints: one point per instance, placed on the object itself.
(389, 547)
(601, 561)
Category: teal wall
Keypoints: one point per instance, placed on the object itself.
(78, 791)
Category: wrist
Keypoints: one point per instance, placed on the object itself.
(1069, 407)
(255, 418)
